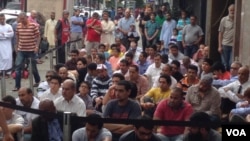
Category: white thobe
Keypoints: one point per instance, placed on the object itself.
(49, 31)
(107, 32)
(166, 31)
(6, 33)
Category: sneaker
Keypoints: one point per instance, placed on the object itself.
(36, 85)
(15, 89)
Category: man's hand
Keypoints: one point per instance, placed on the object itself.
(36, 50)
(240, 96)
(220, 50)
(98, 101)
(8, 137)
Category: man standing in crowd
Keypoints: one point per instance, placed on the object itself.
(124, 27)
(49, 30)
(76, 23)
(108, 27)
(6, 33)
(225, 37)
(62, 33)
(28, 39)
(166, 32)
(191, 37)
(94, 29)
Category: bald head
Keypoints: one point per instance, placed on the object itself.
(231, 11)
(243, 74)
(70, 83)
(33, 14)
(47, 105)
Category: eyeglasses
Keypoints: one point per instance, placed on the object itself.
(48, 76)
(234, 68)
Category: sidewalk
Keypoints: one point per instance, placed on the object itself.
(10, 82)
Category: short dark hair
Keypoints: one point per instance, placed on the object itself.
(118, 75)
(9, 99)
(149, 124)
(176, 62)
(167, 78)
(153, 47)
(87, 83)
(95, 122)
(125, 83)
(130, 55)
(201, 117)
(144, 54)
(193, 67)
(218, 66)
(172, 45)
(83, 60)
(135, 66)
(58, 66)
(101, 56)
(125, 62)
(209, 61)
(56, 77)
(101, 45)
(75, 51)
(92, 66)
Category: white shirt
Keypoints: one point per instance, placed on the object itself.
(48, 95)
(152, 73)
(233, 90)
(28, 117)
(15, 119)
(75, 105)
(43, 86)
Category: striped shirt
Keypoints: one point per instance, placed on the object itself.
(27, 36)
(100, 86)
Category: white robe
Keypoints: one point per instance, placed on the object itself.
(49, 31)
(107, 32)
(6, 33)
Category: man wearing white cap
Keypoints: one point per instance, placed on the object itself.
(100, 85)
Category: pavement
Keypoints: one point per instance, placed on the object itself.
(10, 82)
(42, 68)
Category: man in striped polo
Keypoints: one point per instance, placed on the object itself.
(27, 40)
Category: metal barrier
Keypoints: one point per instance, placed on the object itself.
(69, 117)
(66, 126)
(50, 52)
(3, 84)
(31, 74)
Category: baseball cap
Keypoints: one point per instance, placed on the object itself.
(101, 66)
(83, 50)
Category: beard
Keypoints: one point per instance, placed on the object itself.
(195, 137)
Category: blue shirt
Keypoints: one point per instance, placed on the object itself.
(224, 82)
(125, 23)
(151, 27)
(143, 67)
(242, 111)
(181, 24)
(76, 28)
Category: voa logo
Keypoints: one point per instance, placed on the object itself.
(236, 132)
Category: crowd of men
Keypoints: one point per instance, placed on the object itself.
(171, 77)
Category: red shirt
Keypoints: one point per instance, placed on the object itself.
(92, 34)
(225, 76)
(164, 112)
